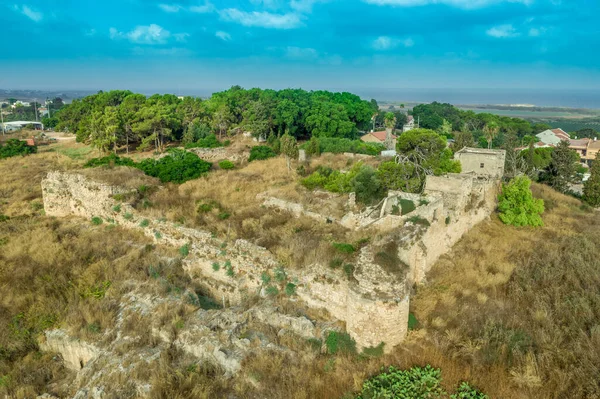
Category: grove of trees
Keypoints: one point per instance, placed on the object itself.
(108, 120)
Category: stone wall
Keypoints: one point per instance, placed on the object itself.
(371, 317)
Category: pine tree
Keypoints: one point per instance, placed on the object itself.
(562, 167)
(289, 148)
(591, 188)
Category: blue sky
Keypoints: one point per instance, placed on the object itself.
(338, 44)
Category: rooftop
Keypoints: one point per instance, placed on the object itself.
(469, 150)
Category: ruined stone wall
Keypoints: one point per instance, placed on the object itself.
(373, 314)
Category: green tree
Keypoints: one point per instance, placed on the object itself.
(222, 119)
(591, 188)
(313, 147)
(517, 206)
(462, 139)
(446, 128)
(289, 148)
(491, 131)
(563, 167)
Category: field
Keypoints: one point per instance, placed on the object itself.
(515, 311)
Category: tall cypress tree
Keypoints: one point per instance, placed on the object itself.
(591, 188)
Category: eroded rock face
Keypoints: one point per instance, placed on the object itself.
(75, 353)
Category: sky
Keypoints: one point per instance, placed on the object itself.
(184, 45)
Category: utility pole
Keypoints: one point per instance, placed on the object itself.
(35, 109)
(2, 119)
(48, 105)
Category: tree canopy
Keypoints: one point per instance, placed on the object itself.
(157, 119)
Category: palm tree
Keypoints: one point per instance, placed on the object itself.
(491, 131)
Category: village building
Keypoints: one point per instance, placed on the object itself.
(376, 137)
(481, 161)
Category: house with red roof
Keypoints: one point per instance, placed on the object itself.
(376, 137)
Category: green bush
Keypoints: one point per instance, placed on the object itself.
(416, 383)
(110, 160)
(96, 221)
(340, 145)
(338, 342)
(395, 176)
(128, 216)
(407, 206)
(413, 323)
(290, 289)
(366, 185)
(343, 247)
(117, 208)
(226, 164)
(261, 152)
(184, 250)
(144, 223)
(178, 167)
(14, 147)
(517, 206)
(209, 141)
(466, 391)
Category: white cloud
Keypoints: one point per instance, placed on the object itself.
(303, 5)
(301, 52)
(204, 9)
(502, 31)
(170, 7)
(454, 3)
(223, 35)
(386, 43)
(261, 19)
(150, 34)
(29, 12)
(539, 31)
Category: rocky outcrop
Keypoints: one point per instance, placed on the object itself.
(75, 353)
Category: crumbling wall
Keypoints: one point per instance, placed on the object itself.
(72, 194)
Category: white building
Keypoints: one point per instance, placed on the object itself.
(410, 123)
(18, 125)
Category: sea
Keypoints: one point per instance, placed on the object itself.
(570, 98)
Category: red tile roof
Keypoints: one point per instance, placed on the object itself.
(380, 135)
(561, 133)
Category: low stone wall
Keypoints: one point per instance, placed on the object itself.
(72, 194)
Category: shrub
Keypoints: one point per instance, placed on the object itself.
(416, 383)
(178, 167)
(272, 291)
(225, 164)
(366, 185)
(184, 250)
(110, 160)
(216, 266)
(338, 342)
(224, 215)
(335, 263)
(591, 188)
(290, 289)
(413, 323)
(339, 145)
(419, 220)
(343, 247)
(144, 223)
(117, 208)
(14, 147)
(466, 391)
(374, 351)
(261, 152)
(517, 206)
(407, 206)
(313, 147)
(265, 278)
(209, 141)
(349, 269)
(96, 221)
(128, 216)
(395, 176)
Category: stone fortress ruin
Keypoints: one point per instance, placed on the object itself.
(373, 304)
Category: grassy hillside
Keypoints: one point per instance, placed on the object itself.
(515, 311)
